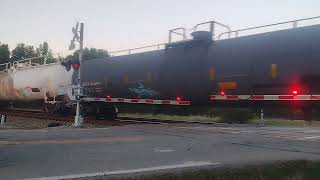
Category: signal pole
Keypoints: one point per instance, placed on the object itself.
(78, 119)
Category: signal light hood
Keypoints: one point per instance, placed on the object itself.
(66, 64)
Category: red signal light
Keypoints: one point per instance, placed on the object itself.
(75, 66)
(294, 92)
(108, 98)
(222, 93)
(178, 98)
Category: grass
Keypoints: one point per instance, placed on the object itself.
(199, 118)
(171, 117)
(291, 170)
(285, 122)
(54, 124)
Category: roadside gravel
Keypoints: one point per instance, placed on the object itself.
(14, 122)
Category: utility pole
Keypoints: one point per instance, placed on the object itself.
(78, 119)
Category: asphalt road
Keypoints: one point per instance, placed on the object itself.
(70, 153)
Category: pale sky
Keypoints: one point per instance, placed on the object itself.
(121, 24)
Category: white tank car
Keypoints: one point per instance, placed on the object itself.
(27, 82)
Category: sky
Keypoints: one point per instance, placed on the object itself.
(122, 24)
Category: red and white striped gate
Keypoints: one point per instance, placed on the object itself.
(266, 97)
(177, 102)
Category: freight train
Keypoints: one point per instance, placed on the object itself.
(271, 66)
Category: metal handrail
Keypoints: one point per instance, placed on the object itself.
(212, 26)
(6, 66)
(129, 51)
(173, 31)
(295, 24)
(27, 63)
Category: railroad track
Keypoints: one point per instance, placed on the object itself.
(162, 121)
(92, 120)
(43, 115)
(35, 114)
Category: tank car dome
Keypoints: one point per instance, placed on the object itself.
(202, 35)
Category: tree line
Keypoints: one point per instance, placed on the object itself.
(23, 51)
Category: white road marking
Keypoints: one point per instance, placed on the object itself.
(163, 150)
(51, 129)
(4, 142)
(219, 129)
(309, 137)
(119, 172)
(246, 131)
(311, 131)
(148, 122)
(183, 127)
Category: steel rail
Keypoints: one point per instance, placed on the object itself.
(120, 121)
(43, 115)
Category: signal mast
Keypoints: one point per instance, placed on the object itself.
(78, 36)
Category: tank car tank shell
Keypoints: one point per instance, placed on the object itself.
(268, 63)
(34, 83)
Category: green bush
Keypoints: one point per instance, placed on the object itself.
(212, 112)
(235, 115)
(162, 109)
(54, 124)
(284, 112)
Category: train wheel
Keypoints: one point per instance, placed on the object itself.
(57, 108)
(48, 108)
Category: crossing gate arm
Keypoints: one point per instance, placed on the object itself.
(265, 97)
(139, 101)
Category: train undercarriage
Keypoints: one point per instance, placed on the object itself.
(100, 110)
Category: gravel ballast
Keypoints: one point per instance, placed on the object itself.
(15, 122)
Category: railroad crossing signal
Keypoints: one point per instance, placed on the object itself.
(76, 37)
(76, 91)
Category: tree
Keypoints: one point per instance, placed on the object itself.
(89, 54)
(44, 50)
(4, 53)
(22, 52)
(30, 52)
